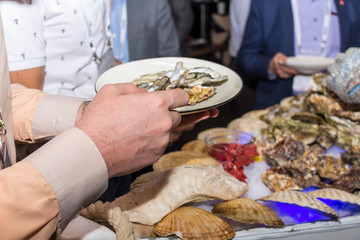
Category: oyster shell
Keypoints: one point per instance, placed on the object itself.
(168, 190)
(173, 159)
(199, 93)
(350, 181)
(285, 151)
(283, 178)
(330, 167)
(199, 82)
(194, 223)
(301, 199)
(247, 211)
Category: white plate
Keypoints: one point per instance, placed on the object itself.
(308, 64)
(129, 71)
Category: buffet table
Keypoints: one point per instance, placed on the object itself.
(346, 228)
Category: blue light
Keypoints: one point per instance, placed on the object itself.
(342, 208)
(292, 214)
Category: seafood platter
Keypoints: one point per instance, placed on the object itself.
(209, 84)
(291, 171)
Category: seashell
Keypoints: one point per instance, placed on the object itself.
(168, 190)
(198, 93)
(284, 152)
(144, 178)
(204, 161)
(285, 177)
(194, 223)
(173, 159)
(196, 146)
(250, 125)
(143, 231)
(301, 199)
(201, 135)
(255, 113)
(335, 194)
(349, 181)
(246, 210)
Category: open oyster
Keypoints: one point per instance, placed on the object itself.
(199, 82)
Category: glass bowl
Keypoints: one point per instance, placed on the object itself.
(218, 142)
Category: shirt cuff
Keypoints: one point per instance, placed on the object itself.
(55, 114)
(74, 168)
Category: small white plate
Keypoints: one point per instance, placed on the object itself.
(309, 64)
(127, 72)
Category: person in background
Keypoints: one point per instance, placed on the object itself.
(277, 29)
(58, 35)
(239, 12)
(184, 19)
(42, 193)
(143, 29)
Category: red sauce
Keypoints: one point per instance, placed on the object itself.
(234, 157)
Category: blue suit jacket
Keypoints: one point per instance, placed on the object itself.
(270, 29)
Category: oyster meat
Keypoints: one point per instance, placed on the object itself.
(199, 82)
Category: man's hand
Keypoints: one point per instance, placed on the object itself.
(189, 121)
(276, 66)
(131, 127)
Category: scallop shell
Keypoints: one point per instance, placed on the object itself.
(335, 194)
(300, 199)
(173, 159)
(196, 146)
(246, 210)
(201, 135)
(194, 223)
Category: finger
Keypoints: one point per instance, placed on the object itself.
(176, 118)
(175, 97)
(125, 88)
(214, 112)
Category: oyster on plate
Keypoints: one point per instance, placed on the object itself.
(199, 82)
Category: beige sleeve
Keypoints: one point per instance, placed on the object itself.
(38, 115)
(40, 195)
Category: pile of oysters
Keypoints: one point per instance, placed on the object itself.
(300, 131)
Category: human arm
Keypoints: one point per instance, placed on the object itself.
(276, 66)
(37, 115)
(123, 129)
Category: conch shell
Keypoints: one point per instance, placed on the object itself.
(151, 201)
